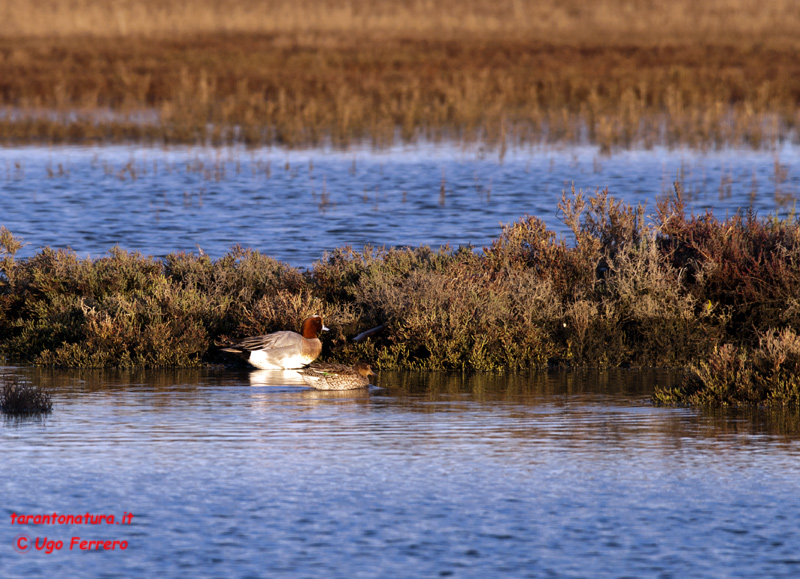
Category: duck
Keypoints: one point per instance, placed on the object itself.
(337, 376)
(283, 350)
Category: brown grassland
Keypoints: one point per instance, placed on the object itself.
(618, 72)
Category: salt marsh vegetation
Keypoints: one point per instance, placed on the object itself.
(621, 292)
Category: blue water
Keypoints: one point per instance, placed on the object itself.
(295, 205)
(253, 475)
(236, 475)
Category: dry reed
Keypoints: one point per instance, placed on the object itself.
(617, 73)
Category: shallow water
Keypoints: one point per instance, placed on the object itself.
(295, 205)
(249, 475)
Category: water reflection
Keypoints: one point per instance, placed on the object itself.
(278, 378)
(581, 395)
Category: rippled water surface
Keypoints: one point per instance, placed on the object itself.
(232, 474)
(294, 205)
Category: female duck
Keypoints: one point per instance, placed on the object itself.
(283, 350)
(337, 376)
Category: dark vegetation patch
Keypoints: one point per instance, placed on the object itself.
(17, 398)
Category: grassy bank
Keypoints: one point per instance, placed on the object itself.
(677, 290)
(617, 73)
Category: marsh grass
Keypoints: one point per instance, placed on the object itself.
(17, 398)
(767, 374)
(304, 73)
(624, 290)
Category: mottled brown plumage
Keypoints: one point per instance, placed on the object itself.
(337, 376)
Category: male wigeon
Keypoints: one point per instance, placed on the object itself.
(337, 376)
(283, 350)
